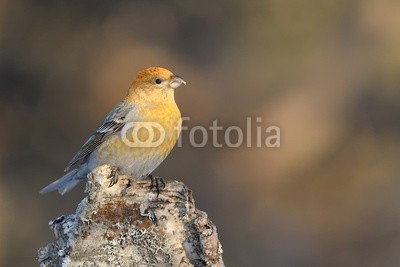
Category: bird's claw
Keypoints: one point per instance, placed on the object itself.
(157, 184)
(113, 176)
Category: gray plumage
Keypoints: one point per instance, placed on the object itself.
(77, 168)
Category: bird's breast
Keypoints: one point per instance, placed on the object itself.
(144, 142)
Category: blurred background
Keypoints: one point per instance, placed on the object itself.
(326, 72)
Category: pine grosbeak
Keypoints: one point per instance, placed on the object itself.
(135, 137)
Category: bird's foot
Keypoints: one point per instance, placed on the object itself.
(113, 176)
(157, 183)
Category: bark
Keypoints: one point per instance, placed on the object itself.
(129, 225)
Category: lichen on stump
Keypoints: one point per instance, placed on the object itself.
(129, 225)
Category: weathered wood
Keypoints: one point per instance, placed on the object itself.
(129, 225)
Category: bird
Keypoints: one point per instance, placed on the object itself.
(136, 136)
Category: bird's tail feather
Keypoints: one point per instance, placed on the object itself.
(65, 183)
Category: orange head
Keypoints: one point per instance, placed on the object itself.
(154, 84)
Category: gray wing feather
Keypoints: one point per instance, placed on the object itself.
(113, 124)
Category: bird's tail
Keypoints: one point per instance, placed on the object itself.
(65, 183)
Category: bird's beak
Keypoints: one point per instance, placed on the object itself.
(176, 81)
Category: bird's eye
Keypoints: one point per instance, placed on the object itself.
(158, 81)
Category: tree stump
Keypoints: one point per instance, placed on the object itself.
(129, 224)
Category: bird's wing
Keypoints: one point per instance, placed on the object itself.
(113, 124)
